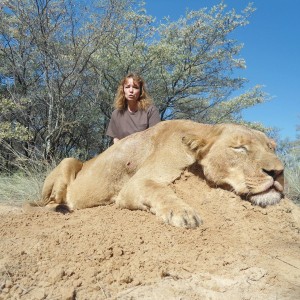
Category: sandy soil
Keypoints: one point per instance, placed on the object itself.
(240, 252)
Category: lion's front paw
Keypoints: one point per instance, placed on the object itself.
(182, 217)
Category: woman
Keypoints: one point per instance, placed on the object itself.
(134, 110)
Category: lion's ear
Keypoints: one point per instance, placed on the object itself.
(201, 144)
(272, 144)
(196, 144)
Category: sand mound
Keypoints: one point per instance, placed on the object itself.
(240, 252)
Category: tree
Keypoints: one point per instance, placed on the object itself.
(195, 62)
(47, 55)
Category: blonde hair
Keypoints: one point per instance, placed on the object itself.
(144, 100)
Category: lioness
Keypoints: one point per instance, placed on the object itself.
(136, 172)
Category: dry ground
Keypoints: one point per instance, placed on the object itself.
(240, 252)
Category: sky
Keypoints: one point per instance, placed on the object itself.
(271, 51)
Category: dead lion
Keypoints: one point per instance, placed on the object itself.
(136, 172)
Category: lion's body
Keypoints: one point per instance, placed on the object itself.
(137, 171)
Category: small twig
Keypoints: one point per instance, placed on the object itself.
(25, 290)
(286, 262)
(103, 290)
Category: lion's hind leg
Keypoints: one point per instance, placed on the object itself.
(159, 199)
(56, 184)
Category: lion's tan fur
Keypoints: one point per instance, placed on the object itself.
(136, 172)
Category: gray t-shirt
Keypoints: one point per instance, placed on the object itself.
(124, 122)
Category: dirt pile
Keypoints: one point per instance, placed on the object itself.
(240, 251)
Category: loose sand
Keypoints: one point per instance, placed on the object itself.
(240, 252)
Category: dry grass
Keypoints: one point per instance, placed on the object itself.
(24, 180)
(292, 180)
(18, 188)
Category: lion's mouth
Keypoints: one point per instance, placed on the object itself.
(278, 186)
(270, 196)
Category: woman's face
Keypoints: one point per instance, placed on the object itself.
(131, 90)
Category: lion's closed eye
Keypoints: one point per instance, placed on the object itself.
(240, 149)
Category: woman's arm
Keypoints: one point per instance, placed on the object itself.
(153, 116)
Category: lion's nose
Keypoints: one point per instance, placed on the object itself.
(273, 173)
(272, 166)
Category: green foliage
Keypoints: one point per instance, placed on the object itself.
(10, 127)
(194, 59)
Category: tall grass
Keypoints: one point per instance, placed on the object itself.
(292, 176)
(18, 188)
(24, 178)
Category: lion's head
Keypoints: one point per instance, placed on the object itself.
(242, 160)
